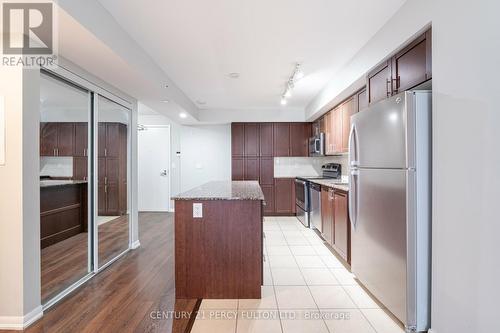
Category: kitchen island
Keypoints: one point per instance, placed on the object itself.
(218, 241)
(63, 210)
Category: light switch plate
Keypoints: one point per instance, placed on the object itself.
(197, 210)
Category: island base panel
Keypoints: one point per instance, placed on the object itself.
(219, 255)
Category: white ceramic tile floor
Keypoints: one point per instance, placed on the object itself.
(319, 276)
(287, 277)
(306, 289)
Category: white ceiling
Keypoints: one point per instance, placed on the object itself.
(197, 43)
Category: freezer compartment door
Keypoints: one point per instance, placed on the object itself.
(378, 250)
(378, 135)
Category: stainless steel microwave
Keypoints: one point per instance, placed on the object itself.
(317, 145)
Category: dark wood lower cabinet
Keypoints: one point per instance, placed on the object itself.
(335, 221)
(327, 216)
(268, 191)
(342, 227)
(284, 202)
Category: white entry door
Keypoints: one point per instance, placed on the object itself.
(154, 169)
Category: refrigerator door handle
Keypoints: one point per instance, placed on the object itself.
(353, 154)
(353, 197)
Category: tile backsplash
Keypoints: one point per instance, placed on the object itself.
(56, 166)
(289, 167)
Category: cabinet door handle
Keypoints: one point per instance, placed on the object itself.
(105, 188)
(105, 180)
(55, 152)
(105, 152)
(397, 83)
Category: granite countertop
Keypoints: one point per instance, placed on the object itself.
(54, 183)
(224, 190)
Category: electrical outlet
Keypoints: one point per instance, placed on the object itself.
(197, 210)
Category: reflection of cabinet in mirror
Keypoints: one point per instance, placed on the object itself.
(71, 140)
(112, 169)
(56, 139)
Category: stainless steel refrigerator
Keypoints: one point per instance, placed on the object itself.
(390, 204)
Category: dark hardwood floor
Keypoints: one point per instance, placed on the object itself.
(129, 295)
(64, 263)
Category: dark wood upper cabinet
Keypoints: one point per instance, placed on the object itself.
(341, 225)
(101, 139)
(252, 140)
(267, 171)
(81, 140)
(112, 140)
(65, 137)
(379, 83)
(406, 69)
(337, 130)
(48, 139)
(299, 138)
(252, 167)
(412, 65)
(327, 214)
(266, 140)
(238, 139)
(238, 168)
(281, 139)
(361, 100)
(283, 195)
(56, 139)
(348, 109)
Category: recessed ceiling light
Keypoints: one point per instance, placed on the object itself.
(233, 75)
(183, 115)
(199, 101)
(165, 101)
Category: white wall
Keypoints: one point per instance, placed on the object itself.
(19, 200)
(466, 157)
(205, 154)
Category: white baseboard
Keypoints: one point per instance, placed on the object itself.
(135, 245)
(20, 323)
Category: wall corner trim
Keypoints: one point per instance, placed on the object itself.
(20, 323)
(135, 245)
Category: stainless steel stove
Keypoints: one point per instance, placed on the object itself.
(308, 195)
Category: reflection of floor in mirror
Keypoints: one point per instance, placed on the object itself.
(128, 295)
(105, 219)
(64, 263)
